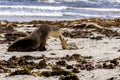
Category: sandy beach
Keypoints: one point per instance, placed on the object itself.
(97, 56)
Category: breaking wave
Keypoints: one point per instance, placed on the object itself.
(60, 9)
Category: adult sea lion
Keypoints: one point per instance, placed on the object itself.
(37, 39)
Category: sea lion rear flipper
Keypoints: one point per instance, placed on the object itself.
(23, 45)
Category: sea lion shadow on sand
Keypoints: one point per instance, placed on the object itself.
(37, 39)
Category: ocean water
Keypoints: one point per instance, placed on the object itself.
(27, 10)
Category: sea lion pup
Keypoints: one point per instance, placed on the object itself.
(37, 39)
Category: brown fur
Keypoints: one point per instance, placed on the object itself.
(37, 39)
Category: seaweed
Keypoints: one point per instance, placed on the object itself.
(41, 64)
(69, 77)
(61, 63)
(20, 72)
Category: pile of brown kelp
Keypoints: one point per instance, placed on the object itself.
(80, 31)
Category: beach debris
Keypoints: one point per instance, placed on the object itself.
(79, 33)
(56, 73)
(112, 78)
(15, 35)
(25, 65)
(61, 63)
(74, 57)
(76, 70)
(102, 22)
(97, 38)
(20, 72)
(72, 46)
(3, 69)
(69, 67)
(85, 25)
(82, 28)
(52, 54)
(69, 77)
(41, 64)
(28, 57)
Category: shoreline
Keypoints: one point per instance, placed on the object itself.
(49, 18)
(64, 23)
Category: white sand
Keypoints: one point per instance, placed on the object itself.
(100, 50)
